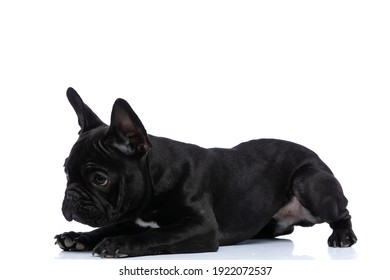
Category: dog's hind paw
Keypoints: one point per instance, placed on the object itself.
(73, 241)
(342, 238)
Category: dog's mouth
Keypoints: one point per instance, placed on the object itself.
(87, 215)
(83, 212)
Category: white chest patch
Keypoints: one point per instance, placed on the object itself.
(144, 224)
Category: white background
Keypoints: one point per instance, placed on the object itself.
(214, 73)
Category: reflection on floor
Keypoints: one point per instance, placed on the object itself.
(272, 249)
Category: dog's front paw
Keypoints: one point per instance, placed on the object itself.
(342, 238)
(112, 247)
(74, 241)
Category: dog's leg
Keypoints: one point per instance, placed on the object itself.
(86, 241)
(319, 191)
(192, 234)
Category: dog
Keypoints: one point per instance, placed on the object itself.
(150, 195)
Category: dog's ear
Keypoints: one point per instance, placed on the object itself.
(126, 132)
(86, 117)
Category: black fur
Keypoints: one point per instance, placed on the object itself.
(151, 195)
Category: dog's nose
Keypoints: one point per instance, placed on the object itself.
(72, 197)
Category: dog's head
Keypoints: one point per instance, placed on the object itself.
(106, 166)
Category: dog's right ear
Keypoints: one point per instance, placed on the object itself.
(86, 117)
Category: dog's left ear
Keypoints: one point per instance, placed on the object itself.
(126, 132)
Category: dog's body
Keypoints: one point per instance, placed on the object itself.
(152, 195)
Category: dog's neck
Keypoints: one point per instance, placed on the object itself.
(167, 163)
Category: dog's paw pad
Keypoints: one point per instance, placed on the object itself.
(71, 241)
(68, 242)
(342, 238)
(80, 246)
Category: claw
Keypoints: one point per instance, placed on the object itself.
(95, 254)
(59, 243)
(119, 255)
(103, 254)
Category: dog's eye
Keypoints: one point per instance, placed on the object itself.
(99, 180)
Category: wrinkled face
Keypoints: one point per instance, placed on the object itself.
(104, 185)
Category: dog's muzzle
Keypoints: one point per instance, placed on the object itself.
(75, 207)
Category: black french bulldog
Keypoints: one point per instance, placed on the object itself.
(151, 195)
